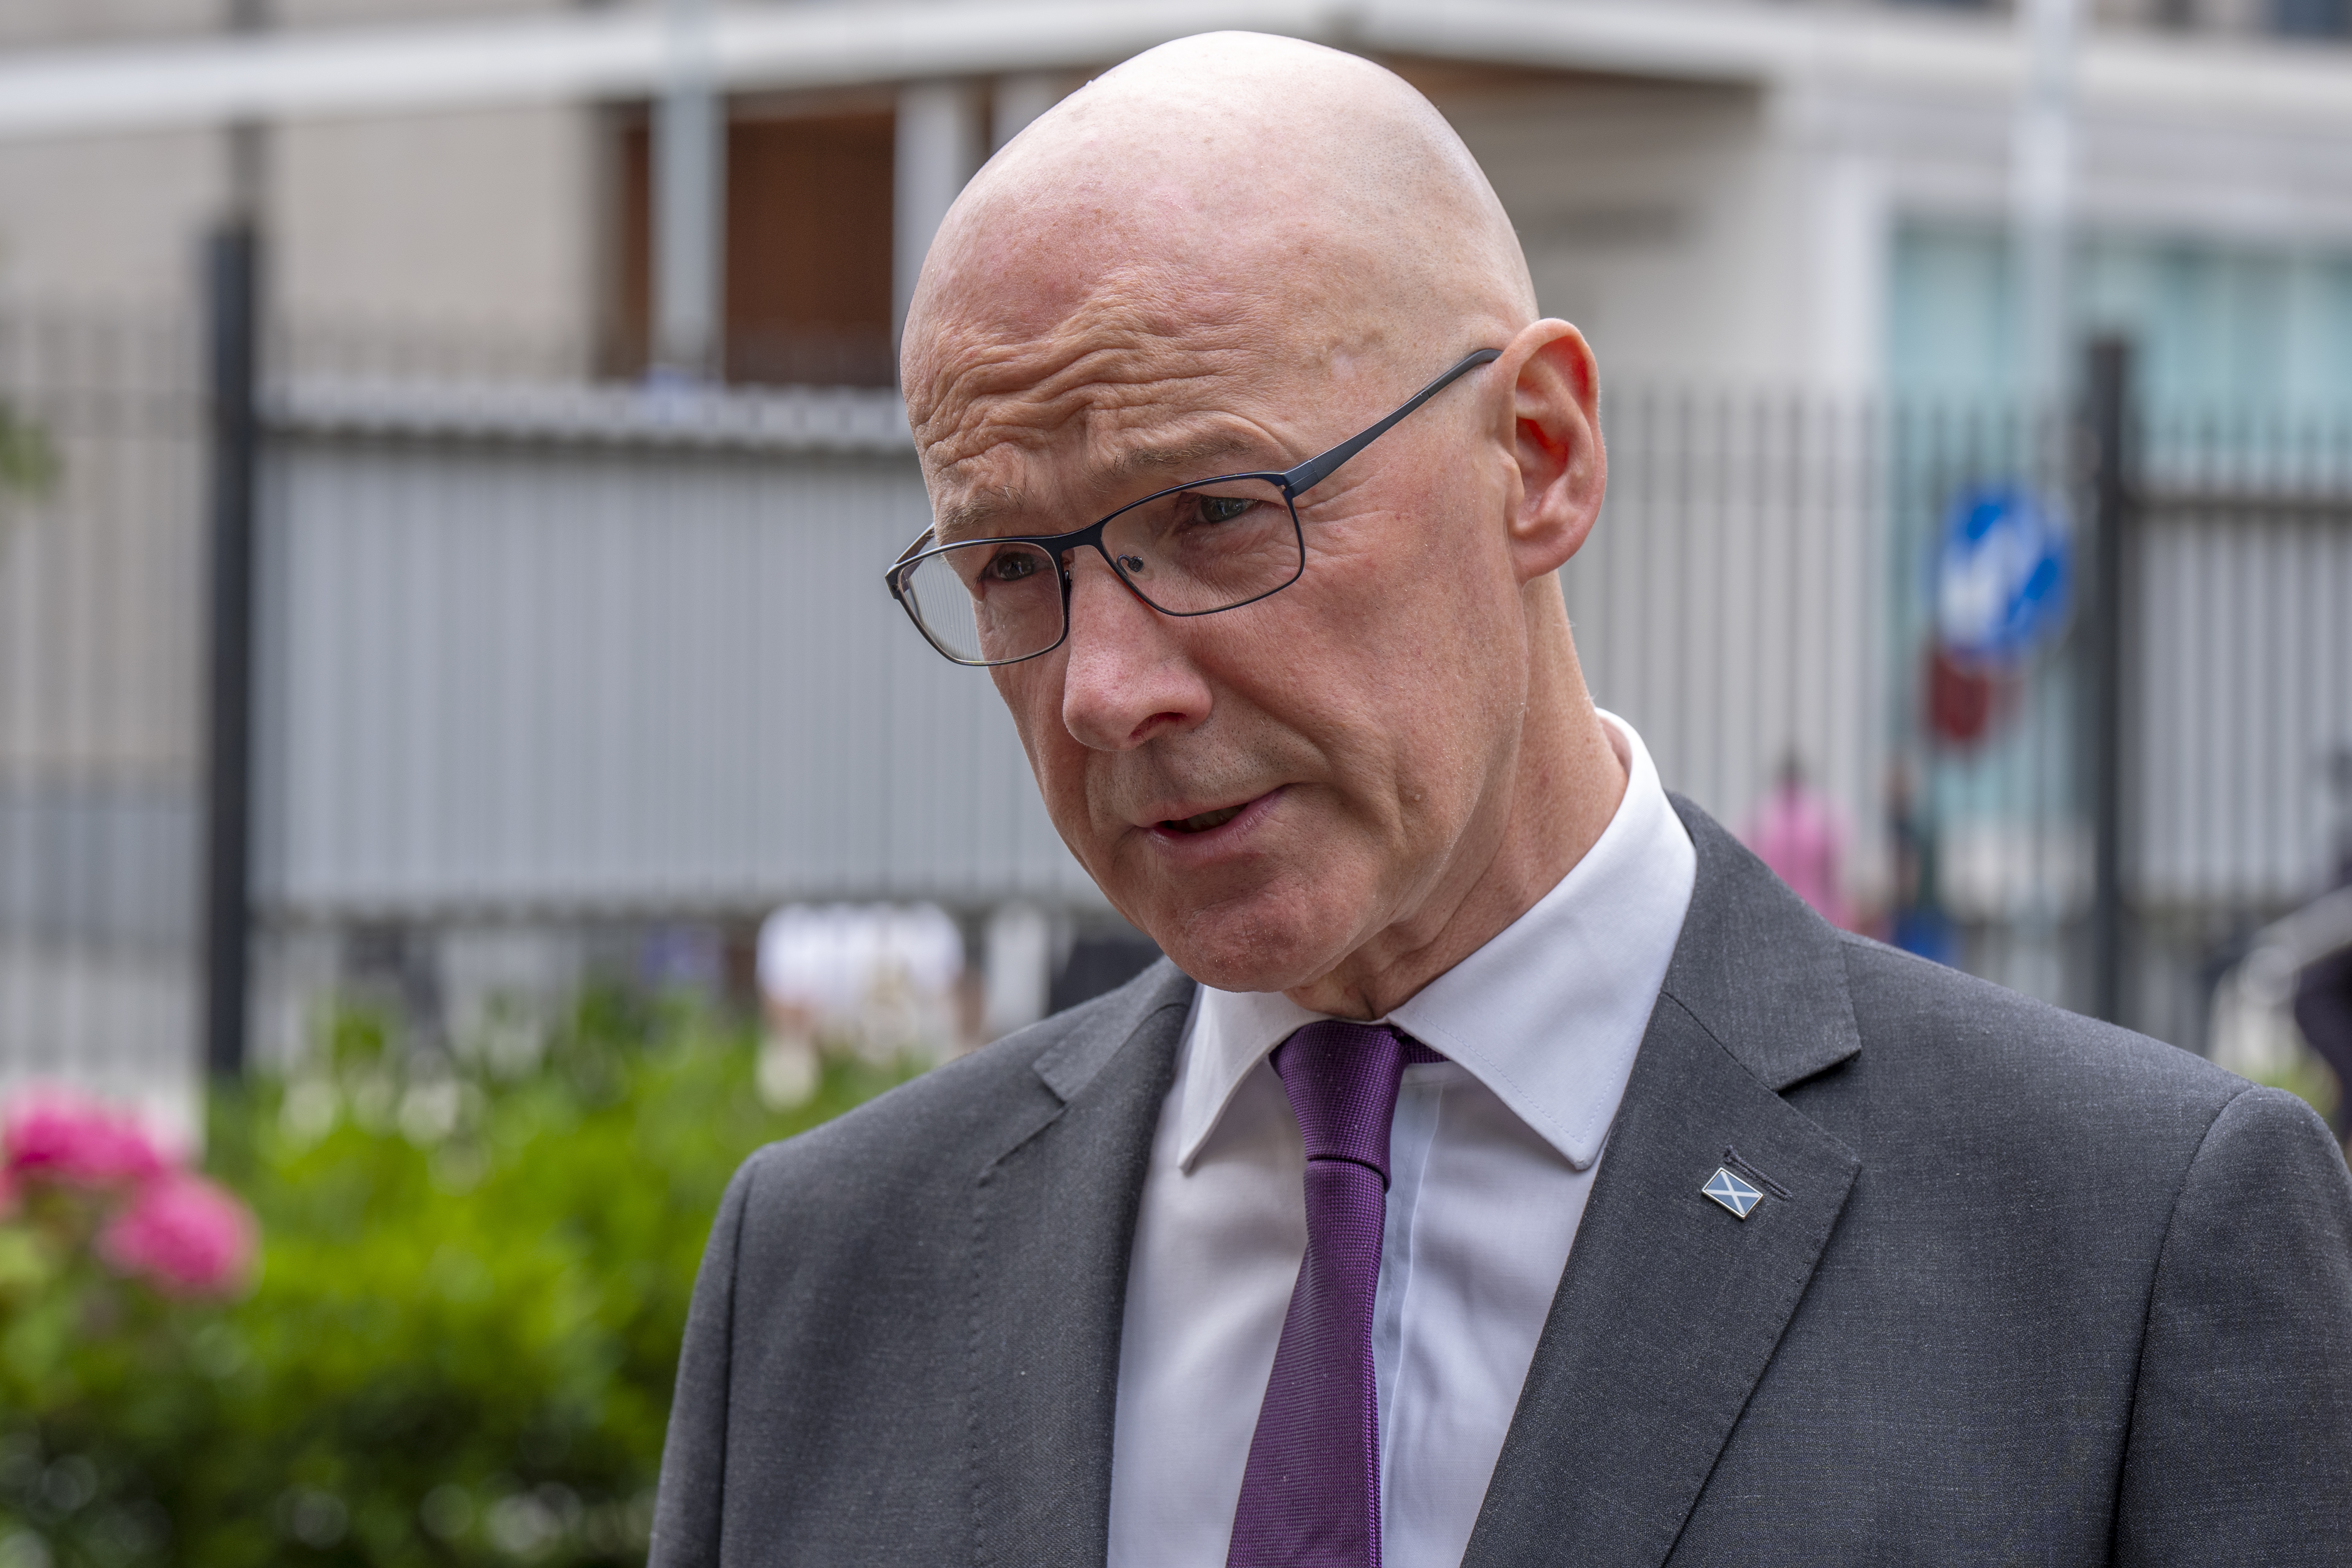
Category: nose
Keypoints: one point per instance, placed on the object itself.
(1125, 677)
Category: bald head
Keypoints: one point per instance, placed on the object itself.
(1268, 195)
(1226, 257)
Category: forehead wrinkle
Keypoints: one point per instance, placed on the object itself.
(984, 399)
(1104, 396)
(1120, 374)
(1133, 328)
(971, 516)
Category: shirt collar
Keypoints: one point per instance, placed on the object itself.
(1548, 1015)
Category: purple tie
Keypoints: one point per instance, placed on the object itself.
(1311, 1493)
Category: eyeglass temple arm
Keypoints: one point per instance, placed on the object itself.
(922, 543)
(1314, 470)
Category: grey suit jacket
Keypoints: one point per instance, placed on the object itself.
(2040, 1291)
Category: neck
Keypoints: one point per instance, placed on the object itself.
(1562, 792)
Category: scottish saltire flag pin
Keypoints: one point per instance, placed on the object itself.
(1731, 1192)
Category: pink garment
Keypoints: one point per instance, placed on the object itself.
(1797, 832)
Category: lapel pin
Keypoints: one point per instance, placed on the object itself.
(1732, 1193)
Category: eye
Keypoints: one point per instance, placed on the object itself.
(1220, 508)
(1010, 567)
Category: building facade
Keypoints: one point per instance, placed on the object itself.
(540, 646)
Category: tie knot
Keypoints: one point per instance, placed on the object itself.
(1343, 1081)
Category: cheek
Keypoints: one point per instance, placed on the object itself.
(1436, 640)
(1424, 623)
(1033, 695)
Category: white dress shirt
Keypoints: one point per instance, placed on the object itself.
(1491, 1156)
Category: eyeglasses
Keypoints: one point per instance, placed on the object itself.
(1190, 549)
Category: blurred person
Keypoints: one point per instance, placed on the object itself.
(1303, 1247)
(1796, 831)
(1917, 922)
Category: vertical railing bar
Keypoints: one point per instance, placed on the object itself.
(235, 304)
(2108, 417)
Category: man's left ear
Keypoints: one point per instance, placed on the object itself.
(1556, 419)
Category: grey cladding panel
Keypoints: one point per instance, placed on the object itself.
(561, 677)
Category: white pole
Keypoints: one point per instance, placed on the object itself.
(2042, 192)
(690, 208)
(1018, 99)
(937, 150)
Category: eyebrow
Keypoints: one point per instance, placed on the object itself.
(971, 519)
(1184, 454)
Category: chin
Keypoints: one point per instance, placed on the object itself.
(1249, 950)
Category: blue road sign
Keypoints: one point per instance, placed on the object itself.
(2004, 576)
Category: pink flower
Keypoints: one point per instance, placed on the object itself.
(63, 1138)
(186, 1235)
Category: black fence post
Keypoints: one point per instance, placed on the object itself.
(2108, 419)
(232, 265)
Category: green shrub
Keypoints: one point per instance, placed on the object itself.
(475, 1274)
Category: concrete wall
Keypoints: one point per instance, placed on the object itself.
(1635, 202)
(480, 220)
(114, 219)
(489, 220)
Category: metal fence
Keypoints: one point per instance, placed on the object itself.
(570, 652)
(534, 653)
(1760, 591)
(2242, 645)
(102, 624)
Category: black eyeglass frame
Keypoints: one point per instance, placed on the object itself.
(1293, 482)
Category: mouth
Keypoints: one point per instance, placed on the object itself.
(1221, 827)
(1204, 822)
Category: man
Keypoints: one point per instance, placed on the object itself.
(1505, 1169)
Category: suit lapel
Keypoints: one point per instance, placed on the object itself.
(1670, 1306)
(1054, 1223)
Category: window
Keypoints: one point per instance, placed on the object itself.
(808, 287)
(2312, 18)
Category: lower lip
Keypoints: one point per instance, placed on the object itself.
(1225, 836)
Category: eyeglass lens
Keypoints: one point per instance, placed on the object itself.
(1188, 552)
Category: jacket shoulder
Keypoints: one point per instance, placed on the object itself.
(966, 1111)
(1959, 1042)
